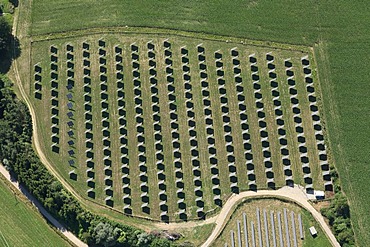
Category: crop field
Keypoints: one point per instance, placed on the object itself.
(270, 222)
(21, 225)
(60, 16)
(168, 127)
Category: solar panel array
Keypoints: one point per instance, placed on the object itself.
(167, 130)
(267, 233)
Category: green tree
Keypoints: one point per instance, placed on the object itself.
(122, 236)
(5, 35)
(160, 242)
(338, 214)
(105, 235)
(345, 238)
(340, 224)
(14, 2)
(341, 206)
(9, 46)
(143, 239)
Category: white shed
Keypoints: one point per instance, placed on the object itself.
(313, 231)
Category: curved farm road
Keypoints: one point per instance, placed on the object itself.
(42, 210)
(295, 194)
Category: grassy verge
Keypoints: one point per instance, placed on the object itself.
(196, 235)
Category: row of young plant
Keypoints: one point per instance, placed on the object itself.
(17, 154)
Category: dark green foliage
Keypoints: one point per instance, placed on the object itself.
(106, 234)
(160, 242)
(5, 35)
(334, 176)
(338, 214)
(14, 2)
(9, 45)
(18, 155)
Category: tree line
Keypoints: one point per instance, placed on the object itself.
(338, 214)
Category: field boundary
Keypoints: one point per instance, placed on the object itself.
(173, 32)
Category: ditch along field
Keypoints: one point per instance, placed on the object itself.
(270, 219)
(167, 127)
(21, 224)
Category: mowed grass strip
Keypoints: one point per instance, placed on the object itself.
(200, 127)
(131, 135)
(289, 126)
(312, 152)
(165, 132)
(239, 149)
(21, 224)
(218, 92)
(270, 119)
(184, 136)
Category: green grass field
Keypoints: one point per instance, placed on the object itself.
(21, 224)
(109, 158)
(263, 19)
(275, 206)
(196, 235)
(340, 28)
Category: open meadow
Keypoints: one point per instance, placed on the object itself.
(21, 225)
(337, 30)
